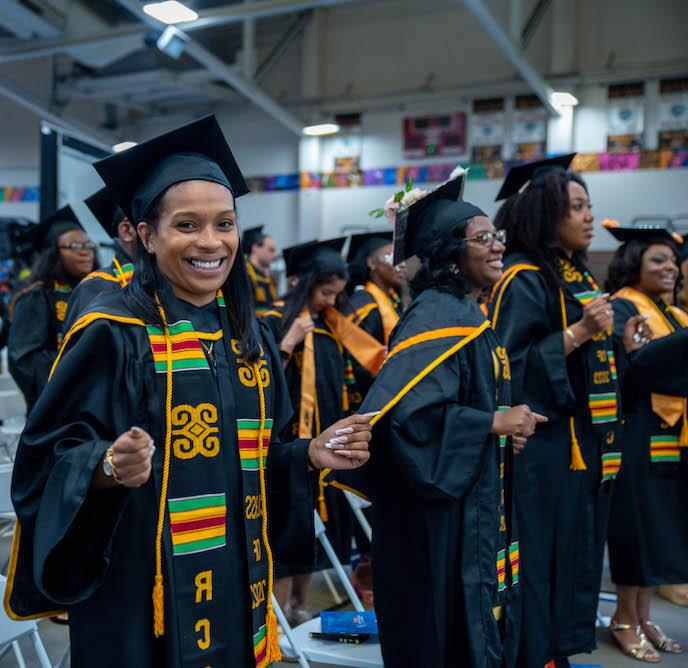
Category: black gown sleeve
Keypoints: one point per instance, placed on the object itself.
(67, 528)
(292, 489)
(436, 439)
(660, 365)
(32, 344)
(535, 345)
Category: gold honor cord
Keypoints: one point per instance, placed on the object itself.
(388, 313)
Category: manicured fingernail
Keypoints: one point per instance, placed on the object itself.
(372, 414)
(340, 439)
(331, 445)
(136, 431)
(345, 430)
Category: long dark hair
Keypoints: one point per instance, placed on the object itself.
(624, 269)
(438, 267)
(298, 297)
(532, 217)
(148, 280)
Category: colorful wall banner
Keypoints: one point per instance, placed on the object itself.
(19, 194)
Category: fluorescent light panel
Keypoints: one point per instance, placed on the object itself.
(123, 146)
(564, 99)
(320, 130)
(170, 12)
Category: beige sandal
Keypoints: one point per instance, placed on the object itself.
(641, 651)
(665, 643)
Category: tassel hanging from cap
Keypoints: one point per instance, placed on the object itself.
(577, 461)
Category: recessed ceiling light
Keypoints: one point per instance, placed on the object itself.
(123, 146)
(322, 129)
(170, 12)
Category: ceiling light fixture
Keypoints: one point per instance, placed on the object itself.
(563, 99)
(170, 12)
(123, 146)
(320, 130)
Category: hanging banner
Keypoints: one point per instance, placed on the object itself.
(625, 124)
(435, 135)
(487, 137)
(529, 134)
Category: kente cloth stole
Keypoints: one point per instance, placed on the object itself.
(122, 272)
(264, 289)
(602, 381)
(193, 532)
(386, 307)
(508, 546)
(671, 415)
(59, 297)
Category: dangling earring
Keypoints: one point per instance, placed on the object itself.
(455, 269)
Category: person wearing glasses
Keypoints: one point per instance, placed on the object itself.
(38, 312)
(558, 328)
(118, 275)
(445, 551)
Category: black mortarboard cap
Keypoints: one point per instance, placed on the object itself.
(646, 229)
(302, 258)
(49, 229)
(519, 175)
(197, 151)
(108, 213)
(422, 223)
(364, 244)
(250, 237)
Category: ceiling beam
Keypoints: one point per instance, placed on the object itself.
(224, 72)
(207, 19)
(540, 87)
(13, 91)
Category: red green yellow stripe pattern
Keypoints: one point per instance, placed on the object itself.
(220, 298)
(187, 352)
(587, 296)
(611, 358)
(260, 643)
(603, 407)
(611, 465)
(501, 570)
(125, 275)
(664, 449)
(198, 523)
(349, 377)
(247, 430)
(514, 560)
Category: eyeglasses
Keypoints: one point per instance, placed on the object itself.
(79, 245)
(488, 238)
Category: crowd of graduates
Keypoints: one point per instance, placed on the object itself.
(507, 416)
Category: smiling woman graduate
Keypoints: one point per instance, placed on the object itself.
(445, 551)
(648, 524)
(38, 312)
(143, 479)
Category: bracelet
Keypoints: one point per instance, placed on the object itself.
(109, 454)
(570, 334)
(284, 355)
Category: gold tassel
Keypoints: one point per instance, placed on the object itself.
(683, 439)
(322, 506)
(273, 651)
(158, 607)
(577, 461)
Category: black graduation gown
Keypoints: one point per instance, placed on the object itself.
(648, 524)
(436, 495)
(264, 289)
(562, 514)
(99, 282)
(34, 337)
(93, 552)
(329, 382)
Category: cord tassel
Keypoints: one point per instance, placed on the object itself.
(577, 461)
(158, 607)
(322, 505)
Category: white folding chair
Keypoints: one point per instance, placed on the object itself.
(358, 504)
(305, 648)
(11, 632)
